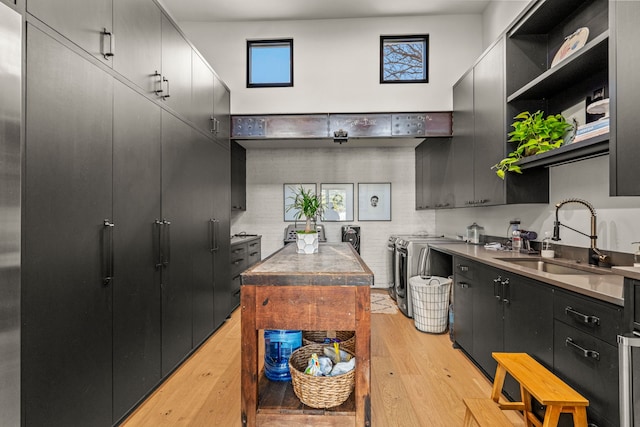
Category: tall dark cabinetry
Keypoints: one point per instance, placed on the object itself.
(67, 301)
(136, 207)
(126, 205)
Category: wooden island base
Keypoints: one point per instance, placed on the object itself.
(329, 290)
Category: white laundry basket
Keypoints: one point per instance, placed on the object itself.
(430, 298)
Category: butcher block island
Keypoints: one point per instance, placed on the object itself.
(329, 290)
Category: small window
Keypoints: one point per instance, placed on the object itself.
(270, 63)
(404, 59)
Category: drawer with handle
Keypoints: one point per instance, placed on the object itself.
(597, 318)
(463, 267)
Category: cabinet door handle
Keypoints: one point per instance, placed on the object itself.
(158, 225)
(252, 254)
(464, 285)
(213, 235)
(158, 83)
(168, 93)
(505, 284)
(586, 319)
(495, 283)
(167, 243)
(586, 353)
(463, 267)
(107, 240)
(107, 54)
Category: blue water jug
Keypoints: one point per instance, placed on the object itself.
(278, 346)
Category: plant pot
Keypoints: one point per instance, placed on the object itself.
(307, 243)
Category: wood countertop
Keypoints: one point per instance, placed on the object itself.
(603, 284)
(335, 264)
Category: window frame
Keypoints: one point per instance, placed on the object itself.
(424, 38)
(266, 42)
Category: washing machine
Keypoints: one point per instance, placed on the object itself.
(351, 234)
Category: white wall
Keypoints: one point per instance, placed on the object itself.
(336, 63)
(497, 16)
(617, 224)
(268, 169)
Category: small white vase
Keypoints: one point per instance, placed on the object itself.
(307, 243)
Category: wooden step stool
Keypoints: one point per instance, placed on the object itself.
(485, 412)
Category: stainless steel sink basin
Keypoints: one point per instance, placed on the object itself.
(548, 267)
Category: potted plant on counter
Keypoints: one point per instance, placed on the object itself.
(309, 205)
(534, 134)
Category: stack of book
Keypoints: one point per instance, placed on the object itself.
(589, 130)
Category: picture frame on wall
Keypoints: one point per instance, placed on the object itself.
(338, 202)
(289, 191)
(374, 201)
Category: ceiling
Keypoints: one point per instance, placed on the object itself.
(271, 10)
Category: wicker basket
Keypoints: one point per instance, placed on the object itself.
(347, 338)
(318, 392)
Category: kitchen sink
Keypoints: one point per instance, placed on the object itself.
(550, 267)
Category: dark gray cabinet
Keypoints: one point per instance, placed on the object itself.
(433, 174)
(222, 292)
(480, 135)
(586, 354)
(67, 298)
(176, 69)
(137, 25)
(624, 58)
(202, 99)
(87, 23)
(245, 252)
(238, 177)
(501, 311)
(136, 208)
(221, 111)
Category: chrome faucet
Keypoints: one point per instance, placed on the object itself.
(595, 256)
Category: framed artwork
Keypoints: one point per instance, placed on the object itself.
(338, 202)
(289, 191)
(374, 201)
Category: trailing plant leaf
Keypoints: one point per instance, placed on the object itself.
(534, 134)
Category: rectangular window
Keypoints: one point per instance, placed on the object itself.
(404, 59)
(270, 63)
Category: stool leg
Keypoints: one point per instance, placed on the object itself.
(526, 401)
(468, 419)
(580, 416)
(552, 416)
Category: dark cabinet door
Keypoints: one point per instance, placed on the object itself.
(487, 318)
(440, 170)
(176, 69)
(463, 313)
(462, 141)
(66, 301)
(489, 124)
(137, 24)
(84, 22)
(136, 207)
(177, 190)
(202, 95)
(202, 228)
(222, 111)
(238, 177)
(221, 167)
(624, 57)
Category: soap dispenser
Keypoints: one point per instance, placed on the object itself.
(636, 255)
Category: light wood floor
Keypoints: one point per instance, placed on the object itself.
(417, 379)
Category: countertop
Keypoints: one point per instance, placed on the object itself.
(630, 272)
(605, 287)
(335, 264)
(237, 239)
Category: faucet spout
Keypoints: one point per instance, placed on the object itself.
(595, 255)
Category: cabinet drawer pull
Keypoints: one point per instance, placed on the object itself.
(252, 244)
(238, 261)
(237, 251)
(589, 320)
(463, 267)
(253, 254)
(464, 285)
(586, 353)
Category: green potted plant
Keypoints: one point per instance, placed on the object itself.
(309, 205)
(534, 134)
